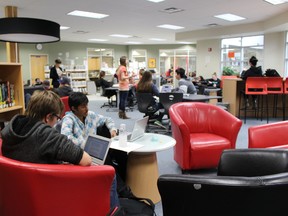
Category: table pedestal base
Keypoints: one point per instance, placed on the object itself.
(142, 175)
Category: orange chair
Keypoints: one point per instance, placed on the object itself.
(256, 86)
(274, 87)
(202, 131)
(66, 105)
(272, 135)
(30, 189)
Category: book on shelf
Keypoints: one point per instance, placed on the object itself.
(7, 94)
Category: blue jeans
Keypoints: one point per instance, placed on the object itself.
(123, 98)
(114, 200)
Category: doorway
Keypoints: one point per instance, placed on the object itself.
(38, 63)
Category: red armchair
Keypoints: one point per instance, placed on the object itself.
(272, 135)
(66, 105)
(202, 131)
(29, 189)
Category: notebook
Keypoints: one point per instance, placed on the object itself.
(97, 147)
(138, 130)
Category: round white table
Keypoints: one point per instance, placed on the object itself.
(142, 166)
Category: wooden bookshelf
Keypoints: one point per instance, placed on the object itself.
(12, 72)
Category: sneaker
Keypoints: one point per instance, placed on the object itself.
(158, 123)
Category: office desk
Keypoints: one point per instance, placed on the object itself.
(142, 166)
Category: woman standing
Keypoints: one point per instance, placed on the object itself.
(56, 73)
(123, 79)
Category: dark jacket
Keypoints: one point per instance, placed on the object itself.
(63, 91)
(29, 140)
(252, 72)
(54, 76)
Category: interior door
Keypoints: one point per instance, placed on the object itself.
(37, 63)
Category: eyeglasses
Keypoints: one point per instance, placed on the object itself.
(58, 117)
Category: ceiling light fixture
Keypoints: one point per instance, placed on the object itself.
(157, 39)
(168, 26)
(133, 42)
(96, 39)
(28, 30)
(87, 14)
(156, 1)
(276, 2)
(64, 27)
(229, 17)
(120, 35)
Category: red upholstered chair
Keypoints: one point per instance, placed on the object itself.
(202, 131)
(66, 105)
(29, 189)
(272, 135)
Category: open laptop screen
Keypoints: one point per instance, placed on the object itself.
(97, 147)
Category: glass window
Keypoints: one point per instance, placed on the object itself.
(236, 52)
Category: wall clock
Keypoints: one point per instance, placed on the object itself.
(39, 46)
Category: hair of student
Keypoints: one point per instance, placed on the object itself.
(181, 72)
(76, 99)
(102, 74)
(253, 60)
(145, 83)
(123, 60)
(58, 61)
(43, 103)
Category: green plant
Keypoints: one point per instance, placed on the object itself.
(228, 71)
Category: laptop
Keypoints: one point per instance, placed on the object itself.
(138, 130)
(97, 147)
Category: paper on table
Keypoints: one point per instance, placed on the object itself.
(130, 146)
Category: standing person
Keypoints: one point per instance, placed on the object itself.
(64, 88)
(123, 79)
(184, 80)
(55, 73)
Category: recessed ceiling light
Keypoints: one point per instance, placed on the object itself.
(276, 2)
(64, 27)
(87, 14)
(157, 39)
(156, 1)
(120, 35)
(96, 39)
(168, 26)
(133, 42)
(229, 17)
(184, 42)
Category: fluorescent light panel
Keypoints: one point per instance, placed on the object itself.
(96, 39)
(156, 1)
(168, 26)
(120, 35)
(229, 17)
(87, 14)
(64, 27)
(276, 2)
(133, 42)
(157, 39)
(184, 42)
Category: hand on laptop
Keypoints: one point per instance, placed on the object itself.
(113, 133)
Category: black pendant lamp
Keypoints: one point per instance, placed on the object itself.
(28, 30)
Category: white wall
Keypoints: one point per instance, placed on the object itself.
(274, 52)
(208, 62)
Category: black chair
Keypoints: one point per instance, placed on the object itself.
(247, 182)
(167, 99)
(109, 93)
(144, 101)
